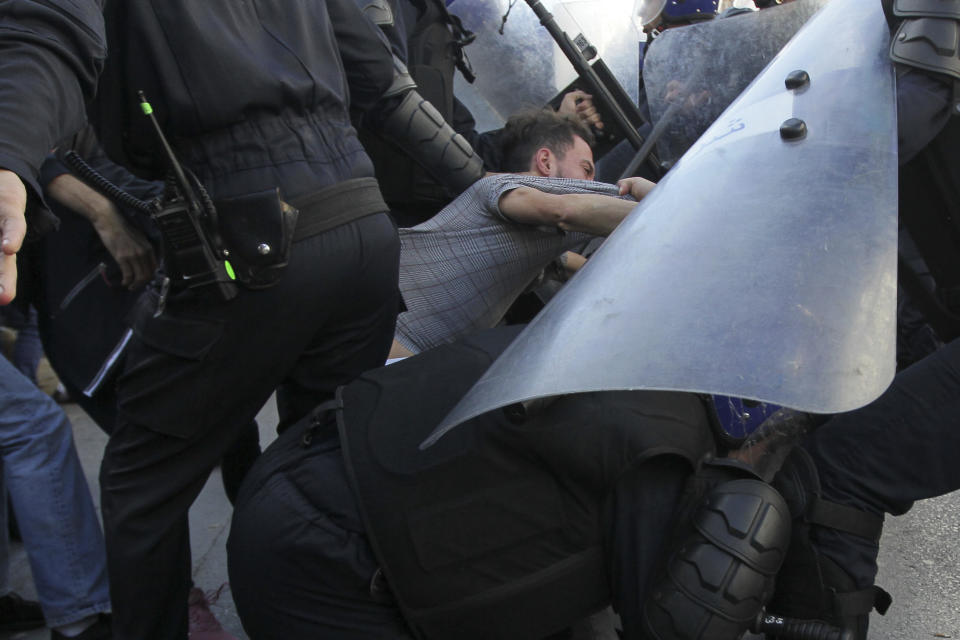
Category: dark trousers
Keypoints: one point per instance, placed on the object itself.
(900, 448)
(299, 559)
(640, 521)
(200, 371)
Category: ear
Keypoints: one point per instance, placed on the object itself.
(544, 162)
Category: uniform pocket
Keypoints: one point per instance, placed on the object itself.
(167, 376)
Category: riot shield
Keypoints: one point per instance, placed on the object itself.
(523, 67)
(763, 266)
(693, 73)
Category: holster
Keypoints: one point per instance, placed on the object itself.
(257, 230)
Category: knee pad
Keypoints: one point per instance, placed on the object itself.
(722, 574)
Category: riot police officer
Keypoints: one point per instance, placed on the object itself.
(255, 101)
(877, 460)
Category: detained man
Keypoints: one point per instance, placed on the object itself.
(461, 270)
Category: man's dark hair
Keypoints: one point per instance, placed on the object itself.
(527, 131)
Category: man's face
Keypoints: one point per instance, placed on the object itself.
(577, 162)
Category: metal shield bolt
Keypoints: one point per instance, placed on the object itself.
(264, 248)
(793, 129)
(797, 79)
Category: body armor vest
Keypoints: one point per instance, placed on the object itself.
(495, 531)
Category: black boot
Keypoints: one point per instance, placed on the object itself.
(810, 585)
(99, 630)
(17, 614)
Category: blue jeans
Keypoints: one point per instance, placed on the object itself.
(49, 493)
(27, 351)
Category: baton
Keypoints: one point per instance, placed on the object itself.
(586, 72)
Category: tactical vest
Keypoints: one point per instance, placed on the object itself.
(495, 531)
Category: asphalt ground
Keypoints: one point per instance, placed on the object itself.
(919, 560)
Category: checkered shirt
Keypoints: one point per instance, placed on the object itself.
(461, 270)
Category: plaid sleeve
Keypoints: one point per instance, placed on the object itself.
(495, 189)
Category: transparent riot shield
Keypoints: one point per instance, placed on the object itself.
(692, 73)
(763, 266)
(523, 67)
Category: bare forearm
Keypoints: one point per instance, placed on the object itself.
(126, 244)
(587, 212)
(592, 213)
(71, 192)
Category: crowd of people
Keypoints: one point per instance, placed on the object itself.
(230, 232)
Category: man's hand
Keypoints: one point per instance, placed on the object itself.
(580, 104)
(636, 187)
(126, 244)
(678, 92)
(569, 263)
(13, 227)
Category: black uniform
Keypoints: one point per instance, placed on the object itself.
(50, 54)
(501, 530)
(903, 446)
(430, 42)
(253, 96)
(872, 458)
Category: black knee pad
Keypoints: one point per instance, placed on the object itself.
(722, 574)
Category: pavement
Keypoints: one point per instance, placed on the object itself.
(919, 561)
(209, 524)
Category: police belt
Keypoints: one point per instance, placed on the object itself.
(336, 205)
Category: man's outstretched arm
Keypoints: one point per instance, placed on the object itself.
(587, 212)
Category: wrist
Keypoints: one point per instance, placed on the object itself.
(103, 215)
